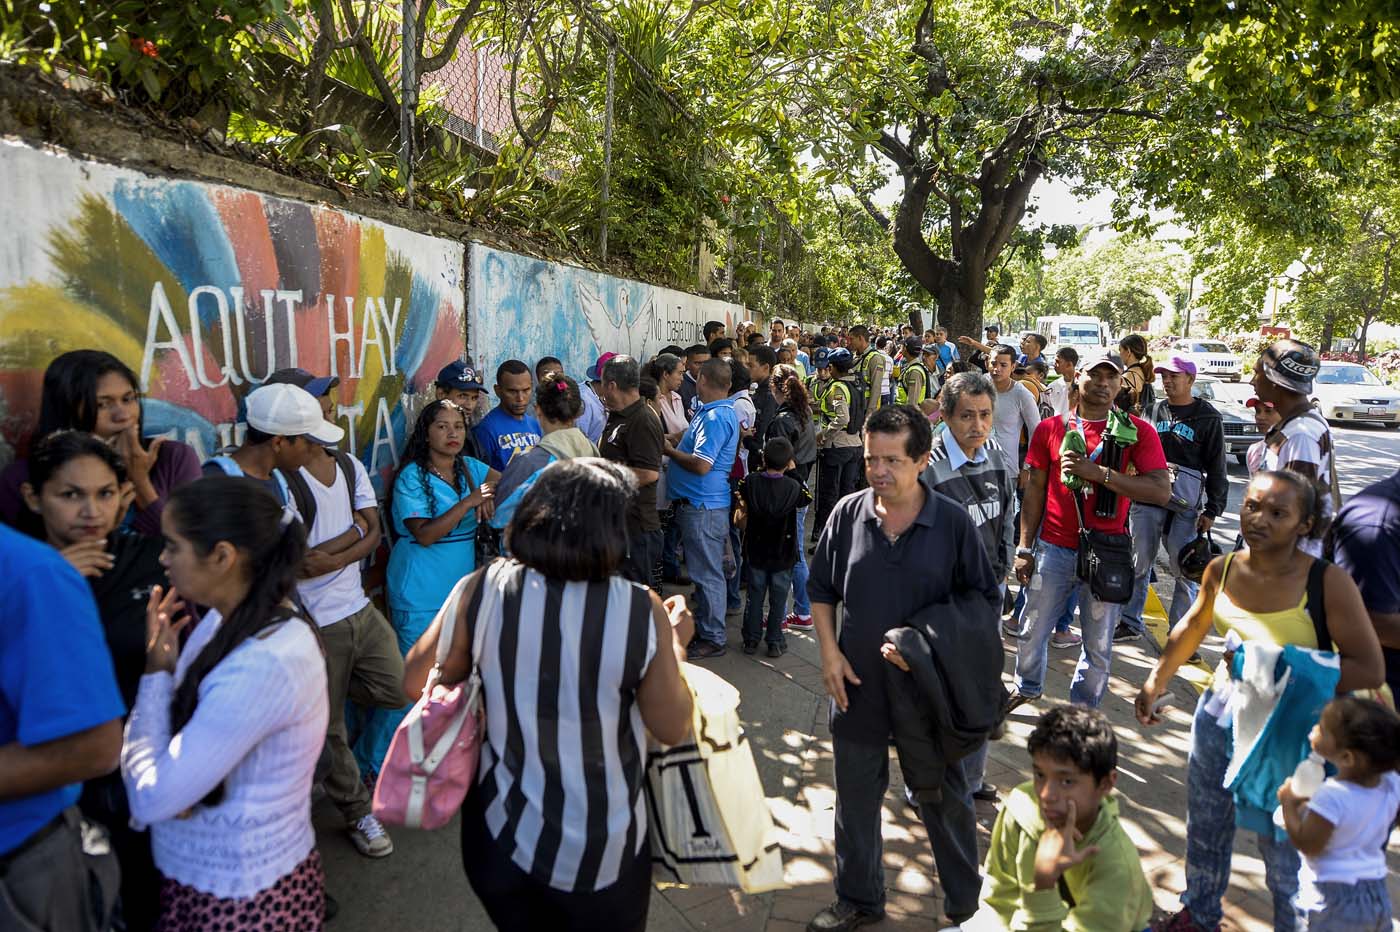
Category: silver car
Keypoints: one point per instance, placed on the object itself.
(1236, 420)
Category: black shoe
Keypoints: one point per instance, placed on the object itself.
(776, 650)
(842, 917)
(1125, 633)
(704, 650)
(750, 647)
(1195, 658)
(986, 792)
(1011, 703)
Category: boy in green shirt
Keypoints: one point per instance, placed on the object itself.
(1059, 857)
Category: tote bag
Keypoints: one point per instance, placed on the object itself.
(708, 820)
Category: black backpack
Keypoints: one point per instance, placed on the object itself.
(304, 498)
(855, 401)
(1147, 398)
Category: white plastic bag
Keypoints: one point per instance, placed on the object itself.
(707, 817)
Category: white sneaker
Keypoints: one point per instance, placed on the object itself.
(370, 838)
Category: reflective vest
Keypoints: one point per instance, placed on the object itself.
(901, 392)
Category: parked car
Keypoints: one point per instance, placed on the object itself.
(1345, 391)
(1236, 421)
(1211, 357)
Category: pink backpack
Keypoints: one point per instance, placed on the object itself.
(432, 758)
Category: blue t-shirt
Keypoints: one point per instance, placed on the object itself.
(947, 355)
(1024, 360)
(502, 437)
(713, 435)
(419, 578)
(56, 674)
(1366, 534)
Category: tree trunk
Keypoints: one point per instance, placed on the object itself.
(916, 320)
(1329, 323)
(1361, 343)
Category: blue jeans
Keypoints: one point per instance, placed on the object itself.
(736, 543)
(1053, 585)
(703, 532)
(1062, 625)
(801, 605)
(974, 768)
(1210, 832)
(670, 537)
(1363, 906)
(1149, 526)
(775, 585)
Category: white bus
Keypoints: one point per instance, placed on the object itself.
(1082, 332)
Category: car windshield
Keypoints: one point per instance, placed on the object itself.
(1347, 375)
(1079, 333)
(1209, 348)
(1200, 389)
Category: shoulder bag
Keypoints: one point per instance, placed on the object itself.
(433, 755)
(1105, 561)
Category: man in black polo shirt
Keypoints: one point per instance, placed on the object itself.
(634, 438)
(884, 554)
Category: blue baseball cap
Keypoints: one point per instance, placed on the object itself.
(821, 357)
(459, 375)
(315, 386)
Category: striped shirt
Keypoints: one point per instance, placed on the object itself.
(565, 753)
(983, 486)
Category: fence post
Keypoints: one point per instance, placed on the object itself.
(607, 155)
(409, 92)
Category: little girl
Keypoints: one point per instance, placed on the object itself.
(1342, 830)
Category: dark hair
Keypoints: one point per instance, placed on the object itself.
(777, 450)
(717, 372)
(899, 419)
(739, 378)
(1136, 344)
(795, 391)
(859, 330)
(753, 337)
(647, 388)
(252, 437)
(764, 355)
(546, 364)
(672, 350)
(1077, 735)
(1310, 497)
(697, 349)
(511, 367)
(664, 364)
(1003, 349)
(1040, 340)
(1367, 727)
(1068, 352)
(557, 398)
(882, 342)
(61, 447)
(1038, 367)
(720, 345)
(244, 513)
(624, 371)
(572, 523)
(711, 326)
(963, 384)
(69, 397)
(417, 452)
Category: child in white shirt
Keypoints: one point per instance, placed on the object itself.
(1342, 829)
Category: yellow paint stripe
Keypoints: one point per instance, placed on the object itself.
(39, 322)
(1154, 618)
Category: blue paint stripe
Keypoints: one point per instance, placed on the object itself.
(162, 416)
(184, 231)
(420, 322)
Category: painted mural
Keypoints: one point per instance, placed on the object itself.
(525, 308)
(206, 289)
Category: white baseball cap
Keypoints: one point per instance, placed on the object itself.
(284, 410)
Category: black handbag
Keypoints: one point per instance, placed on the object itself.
(1105, 561)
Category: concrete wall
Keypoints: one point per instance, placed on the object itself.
(526, 308)
(203, 289)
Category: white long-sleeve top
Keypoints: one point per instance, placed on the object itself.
(258, 728)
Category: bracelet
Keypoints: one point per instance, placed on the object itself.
(359, 530)
(1107, 475)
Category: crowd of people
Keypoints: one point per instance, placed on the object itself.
(220, 659)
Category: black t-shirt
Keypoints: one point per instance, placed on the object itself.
(772, 502)
(121, 594)
(633, 437)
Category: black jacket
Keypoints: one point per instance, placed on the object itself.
(765, 409)
(1194, 437)
(800, 432)
(946, 706)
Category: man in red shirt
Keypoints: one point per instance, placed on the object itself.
(1135, 473)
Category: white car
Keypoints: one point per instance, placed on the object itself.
(1211, 358)
(1345, 391)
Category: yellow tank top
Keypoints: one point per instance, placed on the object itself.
(1289, 626)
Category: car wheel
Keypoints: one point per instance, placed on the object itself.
(1391, 426)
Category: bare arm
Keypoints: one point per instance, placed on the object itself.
(1182, 643)
(1032, 511)
(836, 669)
(689, 461)
(664, 698)
(645, 476)
(423, 654)
(1363, 666)
(28, 771)
(428, 531)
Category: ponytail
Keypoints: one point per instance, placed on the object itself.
(245, 514)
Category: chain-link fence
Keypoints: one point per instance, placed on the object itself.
(541, 116)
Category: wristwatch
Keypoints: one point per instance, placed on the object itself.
(1024, 552)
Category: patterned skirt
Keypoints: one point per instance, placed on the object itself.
(296, 903)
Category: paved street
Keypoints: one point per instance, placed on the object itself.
(784, 710)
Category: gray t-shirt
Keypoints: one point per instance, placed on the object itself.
(1016, 410)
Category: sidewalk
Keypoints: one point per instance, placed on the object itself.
(784, 710)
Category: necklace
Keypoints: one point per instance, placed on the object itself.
(435, 471)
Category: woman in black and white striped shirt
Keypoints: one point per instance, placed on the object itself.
(575, 660)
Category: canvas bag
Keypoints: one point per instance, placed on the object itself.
(434, 752)
(707, 820)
